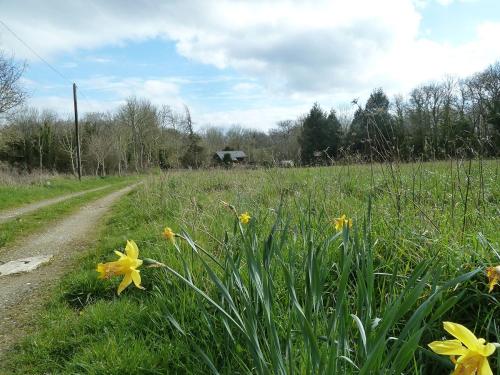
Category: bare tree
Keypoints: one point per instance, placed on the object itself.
(67, 142)
(121, 144)
(141, 118)
(214, 138)
(100, 146)
(11, 93)
(284, 141)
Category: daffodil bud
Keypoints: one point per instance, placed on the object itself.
(151, 263)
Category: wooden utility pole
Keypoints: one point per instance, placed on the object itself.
(78, 160)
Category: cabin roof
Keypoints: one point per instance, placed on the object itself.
(235, 155)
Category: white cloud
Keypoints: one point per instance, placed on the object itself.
(98, 59)
(63, 105)
(291, 45)
(115, 91)
(449, 2)
(300, 50)
(261, 118)
(245, 87)
(424, 59)
(157, 90)
(161, 92)
(445, 2)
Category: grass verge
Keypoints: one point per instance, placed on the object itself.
(286, 293)
(31, 223)
(44, 188)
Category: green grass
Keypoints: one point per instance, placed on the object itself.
(17, 195)
(30, 223)
(286, 293)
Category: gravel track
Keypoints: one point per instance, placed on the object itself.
(22, 294)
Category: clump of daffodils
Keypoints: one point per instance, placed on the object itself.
(126, 265)
(342, 221)
(493, 276)
(472, 352)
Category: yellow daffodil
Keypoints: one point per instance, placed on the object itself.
(341, 221)
(126, 265)
(169, 234)
(493, 276)
(244, 218)
(472, 352)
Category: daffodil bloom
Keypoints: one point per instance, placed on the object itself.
(126, 265)
(493, 276)
(472, 352)
(341, 221)
(169, 234)
(244, 218)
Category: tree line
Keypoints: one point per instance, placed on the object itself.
(436, 120)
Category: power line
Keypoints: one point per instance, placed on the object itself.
(64, 78)
(34, 52)
(45, 61)
(85, 97)
(80, 91)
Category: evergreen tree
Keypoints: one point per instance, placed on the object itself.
(379, 125)
(357, 135)
(371, 133)
(335, 129)
(321, 135)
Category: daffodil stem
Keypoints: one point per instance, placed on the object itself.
(204, 295)
(198, 247)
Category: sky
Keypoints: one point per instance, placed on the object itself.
(250, 63)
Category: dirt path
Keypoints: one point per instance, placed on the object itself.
(20, 294)
(18, 211)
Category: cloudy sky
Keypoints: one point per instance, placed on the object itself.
(243, 62)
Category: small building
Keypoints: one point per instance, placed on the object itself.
(233, 156)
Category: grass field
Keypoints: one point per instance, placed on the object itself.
(17, 194)
(286, 293)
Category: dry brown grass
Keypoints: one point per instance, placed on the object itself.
(11, 177)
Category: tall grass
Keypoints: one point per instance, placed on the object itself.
(313, 306)
(35, 187)
(286, 293)
(12, 177)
